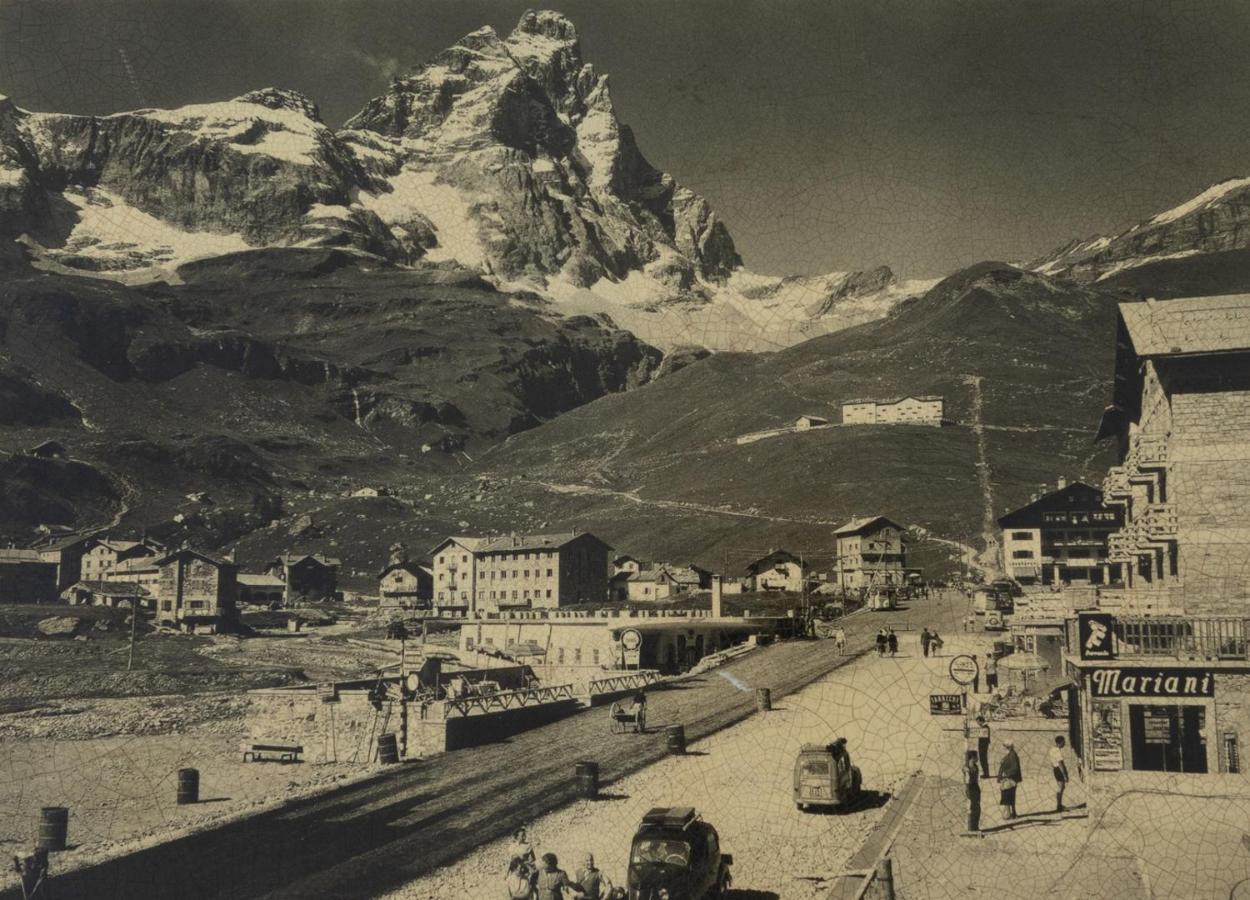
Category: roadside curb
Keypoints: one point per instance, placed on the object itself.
(862, 866)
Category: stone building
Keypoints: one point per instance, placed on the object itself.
(903, 411)
(871, 553)
(1160, 679)
(102, 555)
(778, 570)
(1181, 416)
(1061, 537)
(406, 584)
(307, 576)
(197, 590)
(66, 554)
(661, 581)
(536, 571)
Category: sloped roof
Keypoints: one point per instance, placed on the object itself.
(110, 588)
(14, 556)
(1188, 325)
(202, 554)
(63, 543)
(135, 564)
(518, 542)
(1025, 514)
(247, 579)
(862, 524)
(926, 398)
(294, 559)
(410, 566)
(771, 559)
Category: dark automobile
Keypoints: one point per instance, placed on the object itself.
(676, 851)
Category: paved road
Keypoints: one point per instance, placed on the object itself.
(371, 837)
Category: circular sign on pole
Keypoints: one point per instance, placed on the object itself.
(631, 639)
(964, 669)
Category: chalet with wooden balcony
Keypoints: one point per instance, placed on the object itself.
(1062, 537)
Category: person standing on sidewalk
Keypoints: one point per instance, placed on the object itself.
(972, 790)
(839, 640)
(924, 641)
(991, 672)
(983, 745)
(1060, 768)
(892, 640)
(1009, 778)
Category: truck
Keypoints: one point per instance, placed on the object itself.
(674, 850)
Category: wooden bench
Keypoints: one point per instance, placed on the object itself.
(259, 752)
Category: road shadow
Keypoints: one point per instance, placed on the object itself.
(211, 800)
(611, 795)
(691, 753)
(865, 801)
(735, 894)
(1019, 823)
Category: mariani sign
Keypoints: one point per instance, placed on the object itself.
(1152, 683)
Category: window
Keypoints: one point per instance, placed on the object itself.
(1022, 535)
(468, 643)
(441, 576)
(550, 572)
(198, 604)
(441, 560)
(481, 595)
(442, 595)
(167, 605)
(527, 595)
(560, 656)
(464, 595)
(594, 656)
(548, 593)
(514, 595)
(489, 642)
(527, 573)
(1022, 554)
(577, 655)
(464, 559)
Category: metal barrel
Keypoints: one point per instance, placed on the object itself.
(188, 786)
(675, 738)
(53, 828)
(763, 699)
(588, 779)
(388, 749)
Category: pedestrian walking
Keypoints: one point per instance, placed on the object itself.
(553, 883)
(983, 745)
(1060, 768)
(924, 642)
(1009, 778)
(935, 644)
(991, 672)
(972, 790)
(892, 640)
(594, 884)
(839, 640)
(882, 640)
(517, 881)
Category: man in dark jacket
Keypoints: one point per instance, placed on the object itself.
(553, 883)
(1009, 778)
(972, 789)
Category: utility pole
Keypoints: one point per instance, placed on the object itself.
(134, 624)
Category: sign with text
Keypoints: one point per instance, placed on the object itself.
(1096, 632)
(1141, 682)
(631, 639)
(964, 669)
(1106, 736)
(946, 704)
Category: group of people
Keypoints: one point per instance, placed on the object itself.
(977, 766)
(887, 642)
(541, 878)
(930, 643)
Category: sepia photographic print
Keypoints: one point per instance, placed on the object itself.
(634, 450)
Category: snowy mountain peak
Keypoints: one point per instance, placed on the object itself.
(1213, 221)
(280, 98)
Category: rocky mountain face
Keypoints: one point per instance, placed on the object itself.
(502, 154)
(269, 370)
(1193, 235)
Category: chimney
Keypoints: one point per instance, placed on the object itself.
(1063, 482)
(717, 612)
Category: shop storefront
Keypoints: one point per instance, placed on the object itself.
(1145, 704)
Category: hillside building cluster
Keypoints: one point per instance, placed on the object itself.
(902, 411)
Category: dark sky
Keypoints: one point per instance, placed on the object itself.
(832, 134)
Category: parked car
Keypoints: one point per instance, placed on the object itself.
(825, 777)
(675, 850)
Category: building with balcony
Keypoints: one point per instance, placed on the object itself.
(532, 571)
(871, 553)
(1061, 538)
(1181, 417)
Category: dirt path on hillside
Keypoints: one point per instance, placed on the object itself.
(679, 505)
(988, 558)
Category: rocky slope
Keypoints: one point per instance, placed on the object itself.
(502, 154)
(1178, 244)
(270, 370)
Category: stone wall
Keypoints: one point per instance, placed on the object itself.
(339, 731)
